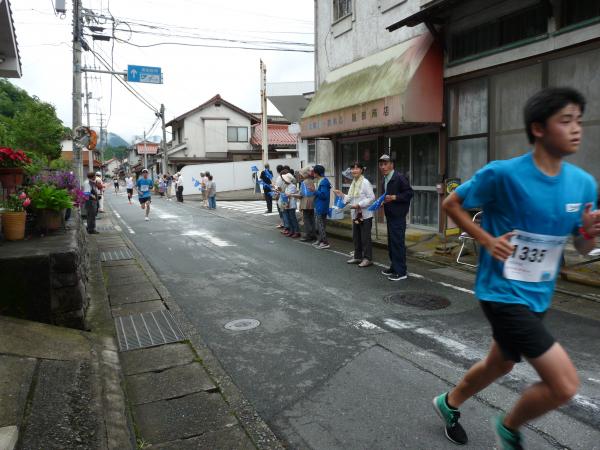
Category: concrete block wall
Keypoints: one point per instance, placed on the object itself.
(45, 279)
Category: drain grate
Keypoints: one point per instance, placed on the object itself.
(242, 324)
(420, 300)
(147, 330)
(105, 227)
(116, 254)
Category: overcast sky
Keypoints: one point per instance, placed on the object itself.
(192, 75)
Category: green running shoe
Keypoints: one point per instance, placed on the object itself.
(506, 439)
(454, 430)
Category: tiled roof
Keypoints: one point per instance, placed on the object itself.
(278, 135)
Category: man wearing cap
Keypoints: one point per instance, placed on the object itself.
(398, 195)
(266, 176)
(100, 188)
(144, 185)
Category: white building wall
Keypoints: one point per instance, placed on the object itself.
(205, 131)
(356, 37)
(231, 176)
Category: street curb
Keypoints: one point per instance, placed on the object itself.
(257, 429)
(117, 416)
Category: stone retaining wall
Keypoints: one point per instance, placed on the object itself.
(45, 278)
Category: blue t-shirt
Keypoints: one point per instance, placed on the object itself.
(515, 195)
(144, 186)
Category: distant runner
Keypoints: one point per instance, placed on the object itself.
(129, 187)
(144, 187)
(116, 184)
(531, 204)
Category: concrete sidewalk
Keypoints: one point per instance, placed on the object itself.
(180, 397)
(61, 388)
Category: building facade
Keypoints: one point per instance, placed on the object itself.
(458, 106)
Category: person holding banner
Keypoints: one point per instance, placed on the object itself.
(322, 198)
(266, 177)
(396, 203)
(306, 196)
(360, 196)
(290, 192)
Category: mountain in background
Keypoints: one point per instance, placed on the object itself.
(113, 140)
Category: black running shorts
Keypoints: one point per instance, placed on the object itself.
(144, 200)
(517, 330)
(130, 191)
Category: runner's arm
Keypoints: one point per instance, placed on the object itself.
(500, 247)
(586, 242)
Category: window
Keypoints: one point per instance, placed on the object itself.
(237, 134)
(180, 134)
(312, 151)
(341, 9)
(524, 24)
(468, 128)
(575, 11)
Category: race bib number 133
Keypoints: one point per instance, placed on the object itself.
(535, 258)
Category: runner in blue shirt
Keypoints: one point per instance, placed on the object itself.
(144, 187)
(531, 204)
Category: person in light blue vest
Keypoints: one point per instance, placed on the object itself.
(531, 204)
(144, 188)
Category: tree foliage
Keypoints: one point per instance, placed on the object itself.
(115, 152)
(28, 123)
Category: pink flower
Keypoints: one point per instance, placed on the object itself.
(22, 196)
(26, 202)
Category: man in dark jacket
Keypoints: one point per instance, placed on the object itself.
(266, 176)
(398, 195)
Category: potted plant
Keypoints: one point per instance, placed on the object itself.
(13, 216)
(50, 203)
(12, 164)
(62, 179)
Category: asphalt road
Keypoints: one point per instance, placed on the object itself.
(344, 358)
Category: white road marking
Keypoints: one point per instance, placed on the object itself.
(249, 207)
(124, 223)
(365, 324)
(410, 274)
(209, 237)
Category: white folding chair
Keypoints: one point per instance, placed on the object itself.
(466, 237)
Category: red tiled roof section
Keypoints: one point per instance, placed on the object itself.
(278, 135)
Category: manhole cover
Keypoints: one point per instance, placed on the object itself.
(242, 324)
(420, 300)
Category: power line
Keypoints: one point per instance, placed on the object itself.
(129, 88)
(210, 38)
(184, 44)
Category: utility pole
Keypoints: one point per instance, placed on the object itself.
(164, 139)
(102, 141)
(77, 159)
(263, 103)
(145, 152)
(87, 112)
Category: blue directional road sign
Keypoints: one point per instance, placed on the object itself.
(144, 74)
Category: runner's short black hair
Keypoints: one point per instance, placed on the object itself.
(279, 168)
(548, 102)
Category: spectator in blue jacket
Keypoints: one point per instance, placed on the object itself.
(322, 195)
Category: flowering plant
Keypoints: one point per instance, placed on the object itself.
(10, 158)
(62, 179)
(50, 197)
(16, 203)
